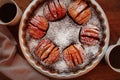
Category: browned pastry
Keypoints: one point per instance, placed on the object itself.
(54, 10)
(79, 11)
(47, 52)
(74, 55)
(37, 27)
(90, 35)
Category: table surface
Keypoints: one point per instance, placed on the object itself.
(101, 71)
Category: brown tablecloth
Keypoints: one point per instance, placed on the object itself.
(12, 64)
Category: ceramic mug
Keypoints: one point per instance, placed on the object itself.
(17, 15)
(109, 52)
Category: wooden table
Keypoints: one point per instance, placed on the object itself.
(102, 71)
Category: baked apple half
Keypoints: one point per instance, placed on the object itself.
(74, 55)
(54, 10)
(47, 52)
(79, 11)
(37, 27)
(90, 35)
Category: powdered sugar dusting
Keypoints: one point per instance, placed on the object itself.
(61, 66)
(63, 34)
(91, 49)
(94, 19)
(32, 43)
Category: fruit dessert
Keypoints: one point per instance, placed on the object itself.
(54, 10)
(37, 27)
(47, 52)
(79, 11)
(74, 55)
(90, 35)
(63, 37)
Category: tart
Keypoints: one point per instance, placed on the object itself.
(64, 38)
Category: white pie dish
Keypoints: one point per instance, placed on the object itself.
(29, 58)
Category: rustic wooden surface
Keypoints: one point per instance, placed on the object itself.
(102, 71)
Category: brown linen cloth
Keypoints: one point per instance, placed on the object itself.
(12, 64)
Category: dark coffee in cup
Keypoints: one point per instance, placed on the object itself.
(10, 13)
(114, 57)
(7, 12)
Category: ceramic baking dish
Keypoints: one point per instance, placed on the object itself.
(29, 10)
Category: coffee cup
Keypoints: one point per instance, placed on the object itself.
(10, 13)
(112, 56)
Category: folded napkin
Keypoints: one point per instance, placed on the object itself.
(12, 64)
